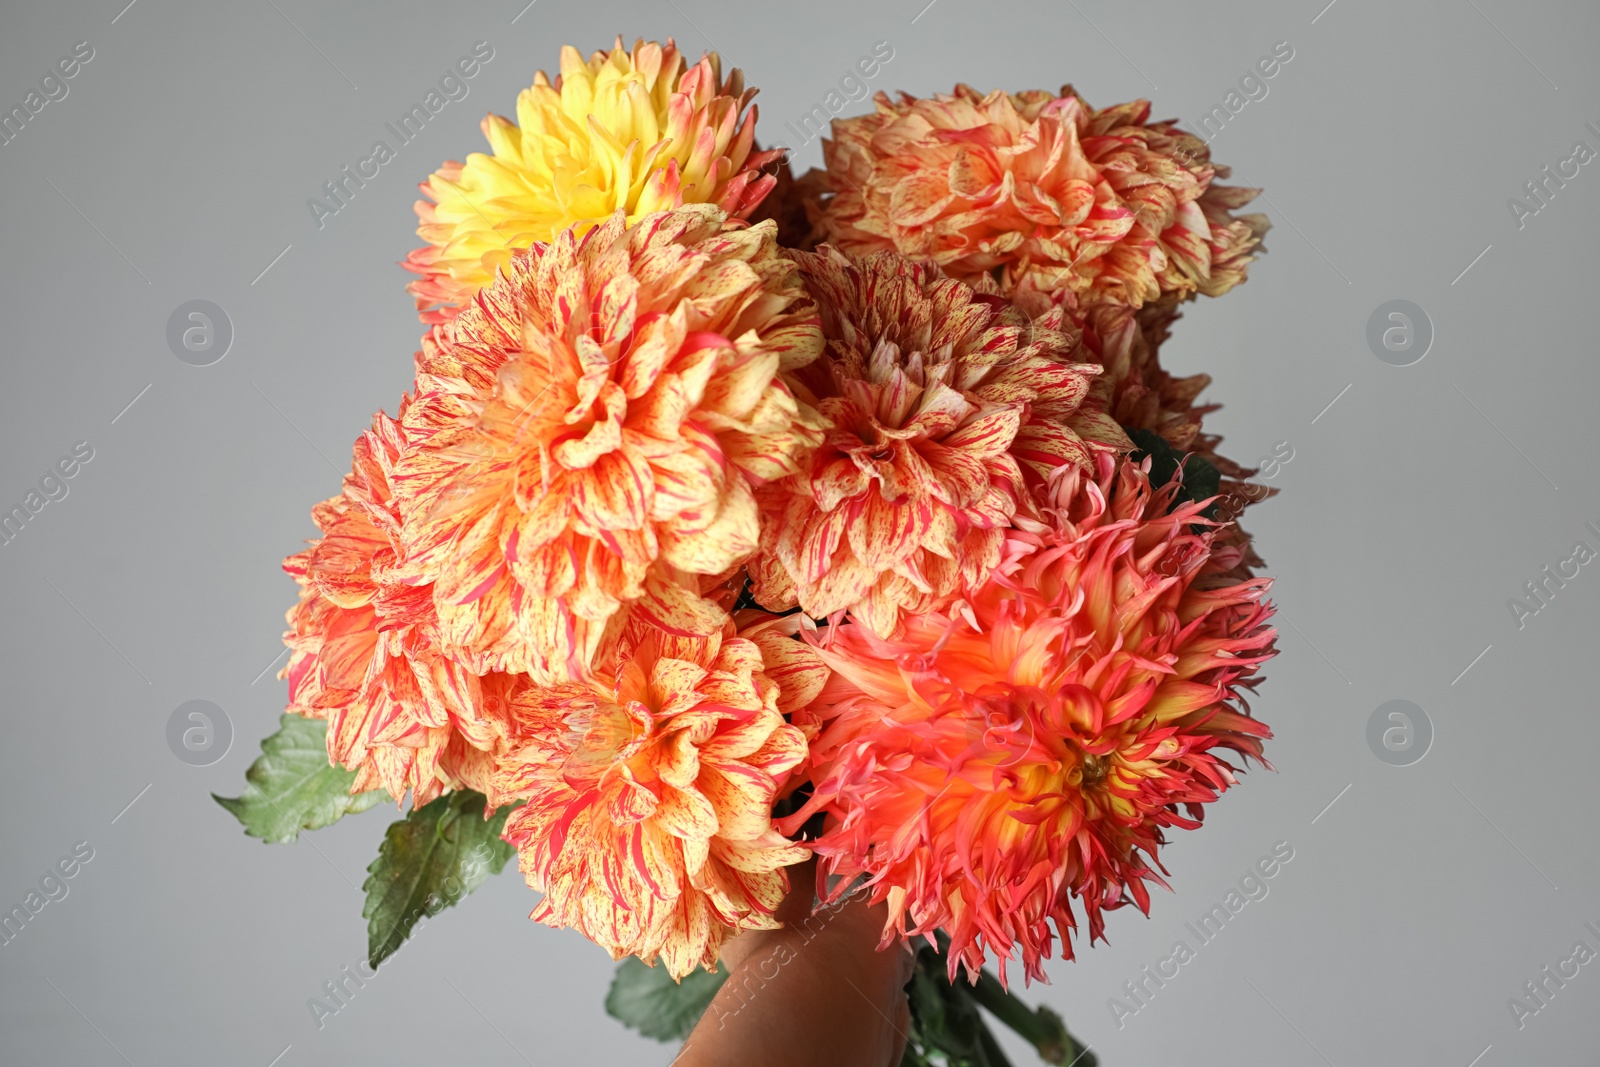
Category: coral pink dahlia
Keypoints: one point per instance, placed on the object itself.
(1034, 744)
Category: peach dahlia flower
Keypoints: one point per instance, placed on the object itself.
(944, 404)
(1034, 744)
(637, 132)
(1102, 203)
(364, 646)
(649, 789)
(590, 430)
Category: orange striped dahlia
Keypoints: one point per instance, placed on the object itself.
(991, 762)
(364, 646)
(633, 131)
(1133, 387)
(1102, 203)
(649, 789)
(590, 431)
(944, 404)
(1142, 395)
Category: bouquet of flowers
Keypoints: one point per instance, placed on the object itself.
(736, 519)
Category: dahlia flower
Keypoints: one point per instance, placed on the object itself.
(1034, 743)
(1141, 395)
(1102, 203)
(795, 205)
(1134, 388)
(944, 404)
(365, 654)
(590, 431)
(637, 132)
(649, 789)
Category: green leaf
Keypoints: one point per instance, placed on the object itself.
(292, 787)
(1200, 479)
(428, 861)
(647, 999)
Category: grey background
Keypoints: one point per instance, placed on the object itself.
(1413, 508)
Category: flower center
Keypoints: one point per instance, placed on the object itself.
(1095, 769)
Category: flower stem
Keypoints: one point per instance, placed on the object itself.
(1040, 1027)
(990, 1048)
(947, 1025)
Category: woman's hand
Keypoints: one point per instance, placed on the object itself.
(817, 991)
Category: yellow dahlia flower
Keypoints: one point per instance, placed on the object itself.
(632, 131)
(944, 404)
(1102, 203)
(649, 789)
(590, 431)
